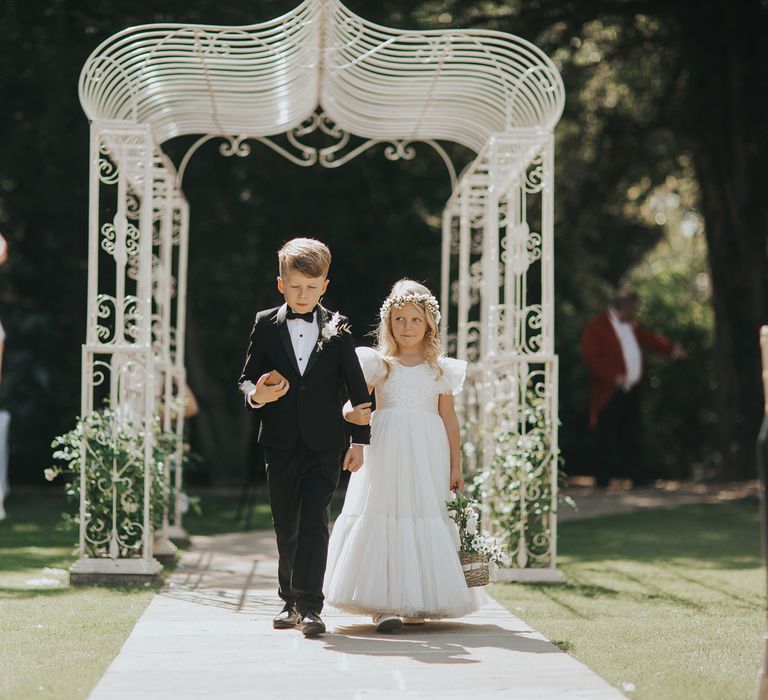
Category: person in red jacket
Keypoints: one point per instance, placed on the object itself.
(612, 345)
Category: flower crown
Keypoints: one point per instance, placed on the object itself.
(400, 300)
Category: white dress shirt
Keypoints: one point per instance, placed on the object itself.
(304, 335)
(633, 357)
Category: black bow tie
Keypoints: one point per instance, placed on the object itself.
(308, 317)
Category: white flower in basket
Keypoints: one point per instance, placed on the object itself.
(478, 553)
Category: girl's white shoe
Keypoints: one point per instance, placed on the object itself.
(387, 623)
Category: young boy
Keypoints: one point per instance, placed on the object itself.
(300, 365)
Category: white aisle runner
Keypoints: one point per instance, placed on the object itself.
(209, 635)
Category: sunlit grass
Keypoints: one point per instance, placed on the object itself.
(56, 641)
(220, 513)
(670, 601)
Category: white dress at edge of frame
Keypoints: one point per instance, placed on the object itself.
(393, 548)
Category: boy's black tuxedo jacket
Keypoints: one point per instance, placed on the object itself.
(312, 407)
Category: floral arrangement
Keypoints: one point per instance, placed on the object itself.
(520, 494)
(464, 511)
(114, 498)
(399, 301)
(330, 328)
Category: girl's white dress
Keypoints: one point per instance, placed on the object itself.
(393, 548)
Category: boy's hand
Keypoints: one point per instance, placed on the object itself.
(457, 480)
(264, 393)
(354, 458)
(359, 415)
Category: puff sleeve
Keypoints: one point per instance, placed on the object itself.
(372, 365)
(454, 373)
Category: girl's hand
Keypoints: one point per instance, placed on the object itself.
(359, 415)
(354, 458)
(457, 480)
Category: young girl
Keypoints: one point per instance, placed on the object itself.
(393, 550)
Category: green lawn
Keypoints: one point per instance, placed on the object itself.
(56, 641)
(221, 513)
(668, 600)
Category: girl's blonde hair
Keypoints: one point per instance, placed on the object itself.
(404, 292)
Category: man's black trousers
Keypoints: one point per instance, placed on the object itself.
(617, 446)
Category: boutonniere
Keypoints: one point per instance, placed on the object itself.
(330, 328)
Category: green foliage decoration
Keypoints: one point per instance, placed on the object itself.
(114, 451)
(518, 485)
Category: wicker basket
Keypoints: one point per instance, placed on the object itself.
(476, 569)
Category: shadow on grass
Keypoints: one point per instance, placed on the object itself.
(35, 520)
(8, 593)
(745, 602)
(651, 591)
(12, 559)
(11, 593)
(224, 513)
(588, 590)
(715, 535)
(220, 514)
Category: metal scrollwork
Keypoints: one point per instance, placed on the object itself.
(132, 205)
(331, 155)
(399, 150)
(108, 171)
(235, 146)
(534, 176)
(176, 224)
(105, 322)
(473, 341)
(533, 245)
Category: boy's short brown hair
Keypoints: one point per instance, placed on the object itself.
(308, 256)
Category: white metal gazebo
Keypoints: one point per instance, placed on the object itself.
(322, 68)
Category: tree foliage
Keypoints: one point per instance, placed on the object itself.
(652, 107)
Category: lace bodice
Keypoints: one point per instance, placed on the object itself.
(411, 387)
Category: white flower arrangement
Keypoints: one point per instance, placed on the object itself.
(472, 520)
(330, 329)
(489, 547)
(400, 300)
(464, 511)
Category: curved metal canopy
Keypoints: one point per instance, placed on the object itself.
(265, 79)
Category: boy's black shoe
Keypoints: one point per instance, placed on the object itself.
(311, 624)
(288, 618)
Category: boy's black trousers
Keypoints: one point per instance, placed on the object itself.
(301, 483)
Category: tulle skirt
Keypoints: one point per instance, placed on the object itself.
(393, 548)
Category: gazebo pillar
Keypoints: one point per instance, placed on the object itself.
(163, 282)
(522, 366)
(115, 543)
(175, 530)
